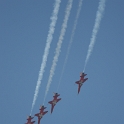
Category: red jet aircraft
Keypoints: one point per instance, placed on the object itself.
(81, 81)
(29, 120)
(41, 113)
(54, 101)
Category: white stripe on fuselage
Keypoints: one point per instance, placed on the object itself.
(40, 115)
(81, 83)
(54, 102)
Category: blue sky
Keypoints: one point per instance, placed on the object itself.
(24, 28)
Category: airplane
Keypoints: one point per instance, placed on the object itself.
(41, 113)
(29, 120)
(81, 81)
(54, 101)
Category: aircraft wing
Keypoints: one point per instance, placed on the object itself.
(45, 112)
(58, 99)
(77, 82)
(85, 80)
(37, 114)
(85, 75)
(50, 102)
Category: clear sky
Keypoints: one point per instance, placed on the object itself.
(24, 26)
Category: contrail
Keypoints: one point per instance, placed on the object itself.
(99, 15)
(47, 47)
(57, 52)
(71, 40)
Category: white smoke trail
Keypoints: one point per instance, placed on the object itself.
(99, 15)
(71, 40)
(47, 47)
(57, 52)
